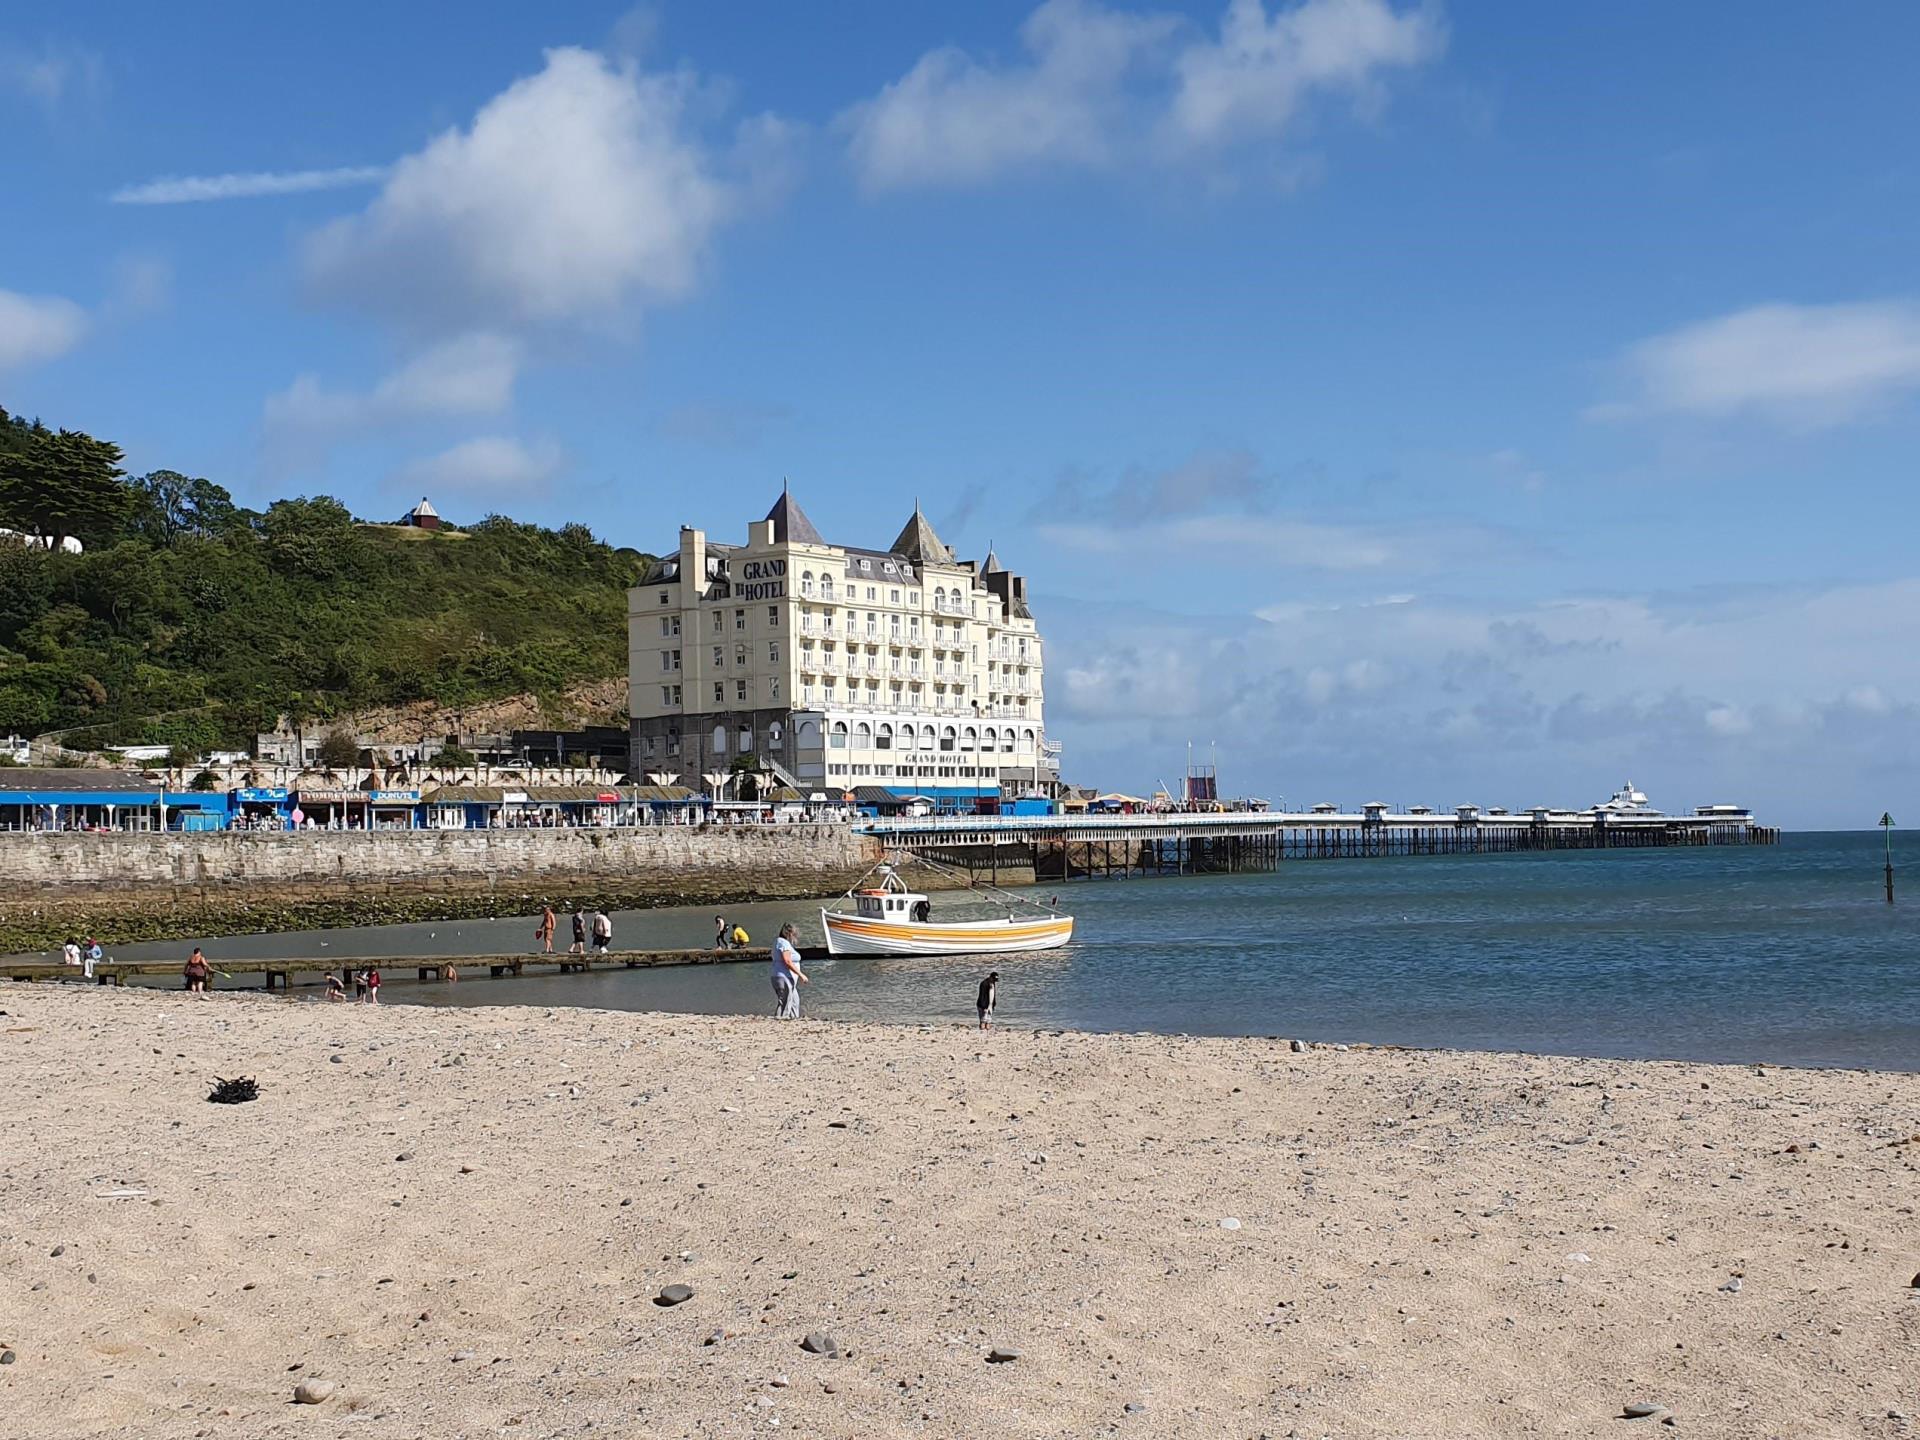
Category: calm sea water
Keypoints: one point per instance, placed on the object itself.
(1785, 954)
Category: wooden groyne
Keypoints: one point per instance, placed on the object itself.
(278, 974)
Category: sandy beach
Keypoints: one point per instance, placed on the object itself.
(458, 1222)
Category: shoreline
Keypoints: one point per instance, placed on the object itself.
(314, 991)
(462, 1218)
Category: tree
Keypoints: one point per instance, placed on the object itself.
(455, 755)
(339, 750)
(205, 780)
(167, 505)
(64, 484)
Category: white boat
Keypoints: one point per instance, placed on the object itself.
(889, 919)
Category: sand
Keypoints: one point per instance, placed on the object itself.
(461, 1219)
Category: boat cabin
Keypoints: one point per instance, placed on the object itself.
(901, 906)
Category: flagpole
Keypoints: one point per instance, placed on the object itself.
(1886, 824)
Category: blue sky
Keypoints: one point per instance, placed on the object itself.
(1450, 403)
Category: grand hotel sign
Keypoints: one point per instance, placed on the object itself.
(762, 580)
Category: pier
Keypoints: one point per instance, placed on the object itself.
(278, 974)
(1066, 847)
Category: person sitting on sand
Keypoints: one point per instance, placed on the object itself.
(984, 1001)
(197, 970)
(788, 977)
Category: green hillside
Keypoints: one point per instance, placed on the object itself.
(192, 621)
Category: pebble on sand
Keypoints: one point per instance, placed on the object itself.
(818, 1342)
(7, 1357)
(1230, 1223)
(673, 1295)
(314, 1392)
(1002, 1355)
(1642, 1410)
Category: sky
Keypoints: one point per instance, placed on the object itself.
(1432, 403)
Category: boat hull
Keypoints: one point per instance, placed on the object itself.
(861, 935)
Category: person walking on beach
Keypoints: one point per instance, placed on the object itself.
(602, 932)
(984, 1001)
(196, 970)
(579, 946)
(544, 931)
(360, 985)
(788, 977)
(373, 985)
(720, 933)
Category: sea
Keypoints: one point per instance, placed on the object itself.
(1785, 954)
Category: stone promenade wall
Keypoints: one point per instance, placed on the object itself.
(127, 887)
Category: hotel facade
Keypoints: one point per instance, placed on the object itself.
(839, 669)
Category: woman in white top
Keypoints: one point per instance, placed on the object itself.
(788, 977)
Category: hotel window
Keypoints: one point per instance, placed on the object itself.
(719, 692)
(666, 659)
(666, 626)
(1023, 649)
(826, 587)
(913, 597)
(773, 652)
(665, 595)
(837, 737)
(719, 657)
(773, 693)
(872, 593)
(740, 655)
(773, 616)
(676, 700)
(740, 691)
(666, 695)
(806, 583)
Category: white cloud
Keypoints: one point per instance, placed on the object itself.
(186, 189)
(1275, 540)
(954, 120)
(1790, 700)
(574, 194)
(1253, 79)
(490, 466)
(467, 375)
(53, 75)
(37, 328)
(1098, 87)
(1804, 366)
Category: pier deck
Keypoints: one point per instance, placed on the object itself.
(1063, 847)
(278, 974)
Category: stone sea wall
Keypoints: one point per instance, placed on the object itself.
(121, 888)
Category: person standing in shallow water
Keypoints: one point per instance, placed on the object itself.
(985, 1000)
(788, 977)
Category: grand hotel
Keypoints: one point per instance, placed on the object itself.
(837, 667)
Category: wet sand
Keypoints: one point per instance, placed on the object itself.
(462, 1218)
